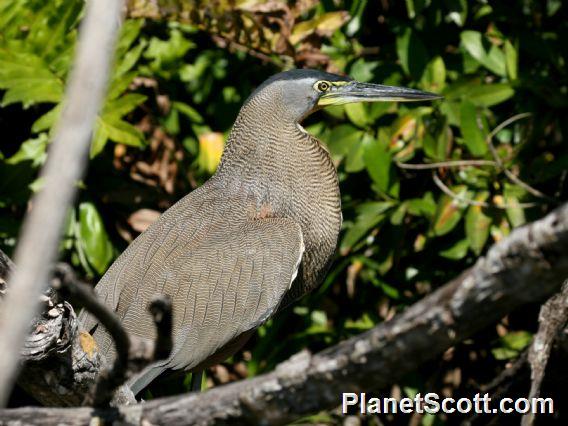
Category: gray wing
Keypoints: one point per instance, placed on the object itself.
(223, 283)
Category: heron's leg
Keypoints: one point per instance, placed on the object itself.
(196, 380)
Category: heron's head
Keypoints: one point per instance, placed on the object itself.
(300, 92)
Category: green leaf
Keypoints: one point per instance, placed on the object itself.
(448, 213)
(165, 53)
(517, 340)
(188, 111)
(472, 133)
(116, 108)
(47, 120)
(362, 70)
(477, 224)
(93, 238)
(412, 53)
(342, 139)
(355, 160)
(511, 59)
(378, 162)
(425, 206)
(100, 138)
(457, 12)
(504, 353)
(357, 114)
(369, 215)
(27, 79)
(493, 60)
(31, 150)
(472, 41)
(434, 77)
(436, 146)
(122, 132)
(128, 60)
(119, 85)
(119, 131)
(489, 94)
(511, 196)
(128, 34)
(456, 251)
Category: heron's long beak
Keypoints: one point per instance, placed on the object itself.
(368, 92)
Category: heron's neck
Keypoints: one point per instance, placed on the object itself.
(275, 159)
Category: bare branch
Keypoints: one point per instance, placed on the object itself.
(450, 163)
(66, 163)
(552, 318)
(528, 265)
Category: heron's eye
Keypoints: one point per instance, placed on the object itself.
(323, 86)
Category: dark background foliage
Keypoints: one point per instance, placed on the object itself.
(180, 77)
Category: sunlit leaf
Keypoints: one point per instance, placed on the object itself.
(457, 11)
(490, 94)
(493, 59)
(328, 22)
(210, 151)
(434, 77)
(477, 223)
(188, 111)
(457, 251)
(511, 58)
(448, 213)
(515, 213)
(93, 238)
(357, 114)
(27, 79)
(31, 150)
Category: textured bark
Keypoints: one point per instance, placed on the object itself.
(553, 319)
(61, 363)
(529, 265)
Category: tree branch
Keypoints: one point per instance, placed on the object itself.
(66, 163)
(530, 264)
(552, 320)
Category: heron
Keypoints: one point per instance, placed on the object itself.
(256, 236)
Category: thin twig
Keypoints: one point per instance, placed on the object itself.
(510, 175)
(66, 164)
(451, 163)
(471, 202)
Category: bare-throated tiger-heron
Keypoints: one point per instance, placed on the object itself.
(257, 235)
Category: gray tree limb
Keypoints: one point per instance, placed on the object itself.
(553, 318)
(38, 245)
(528, 265)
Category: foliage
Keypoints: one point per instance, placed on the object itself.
(177, 87)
